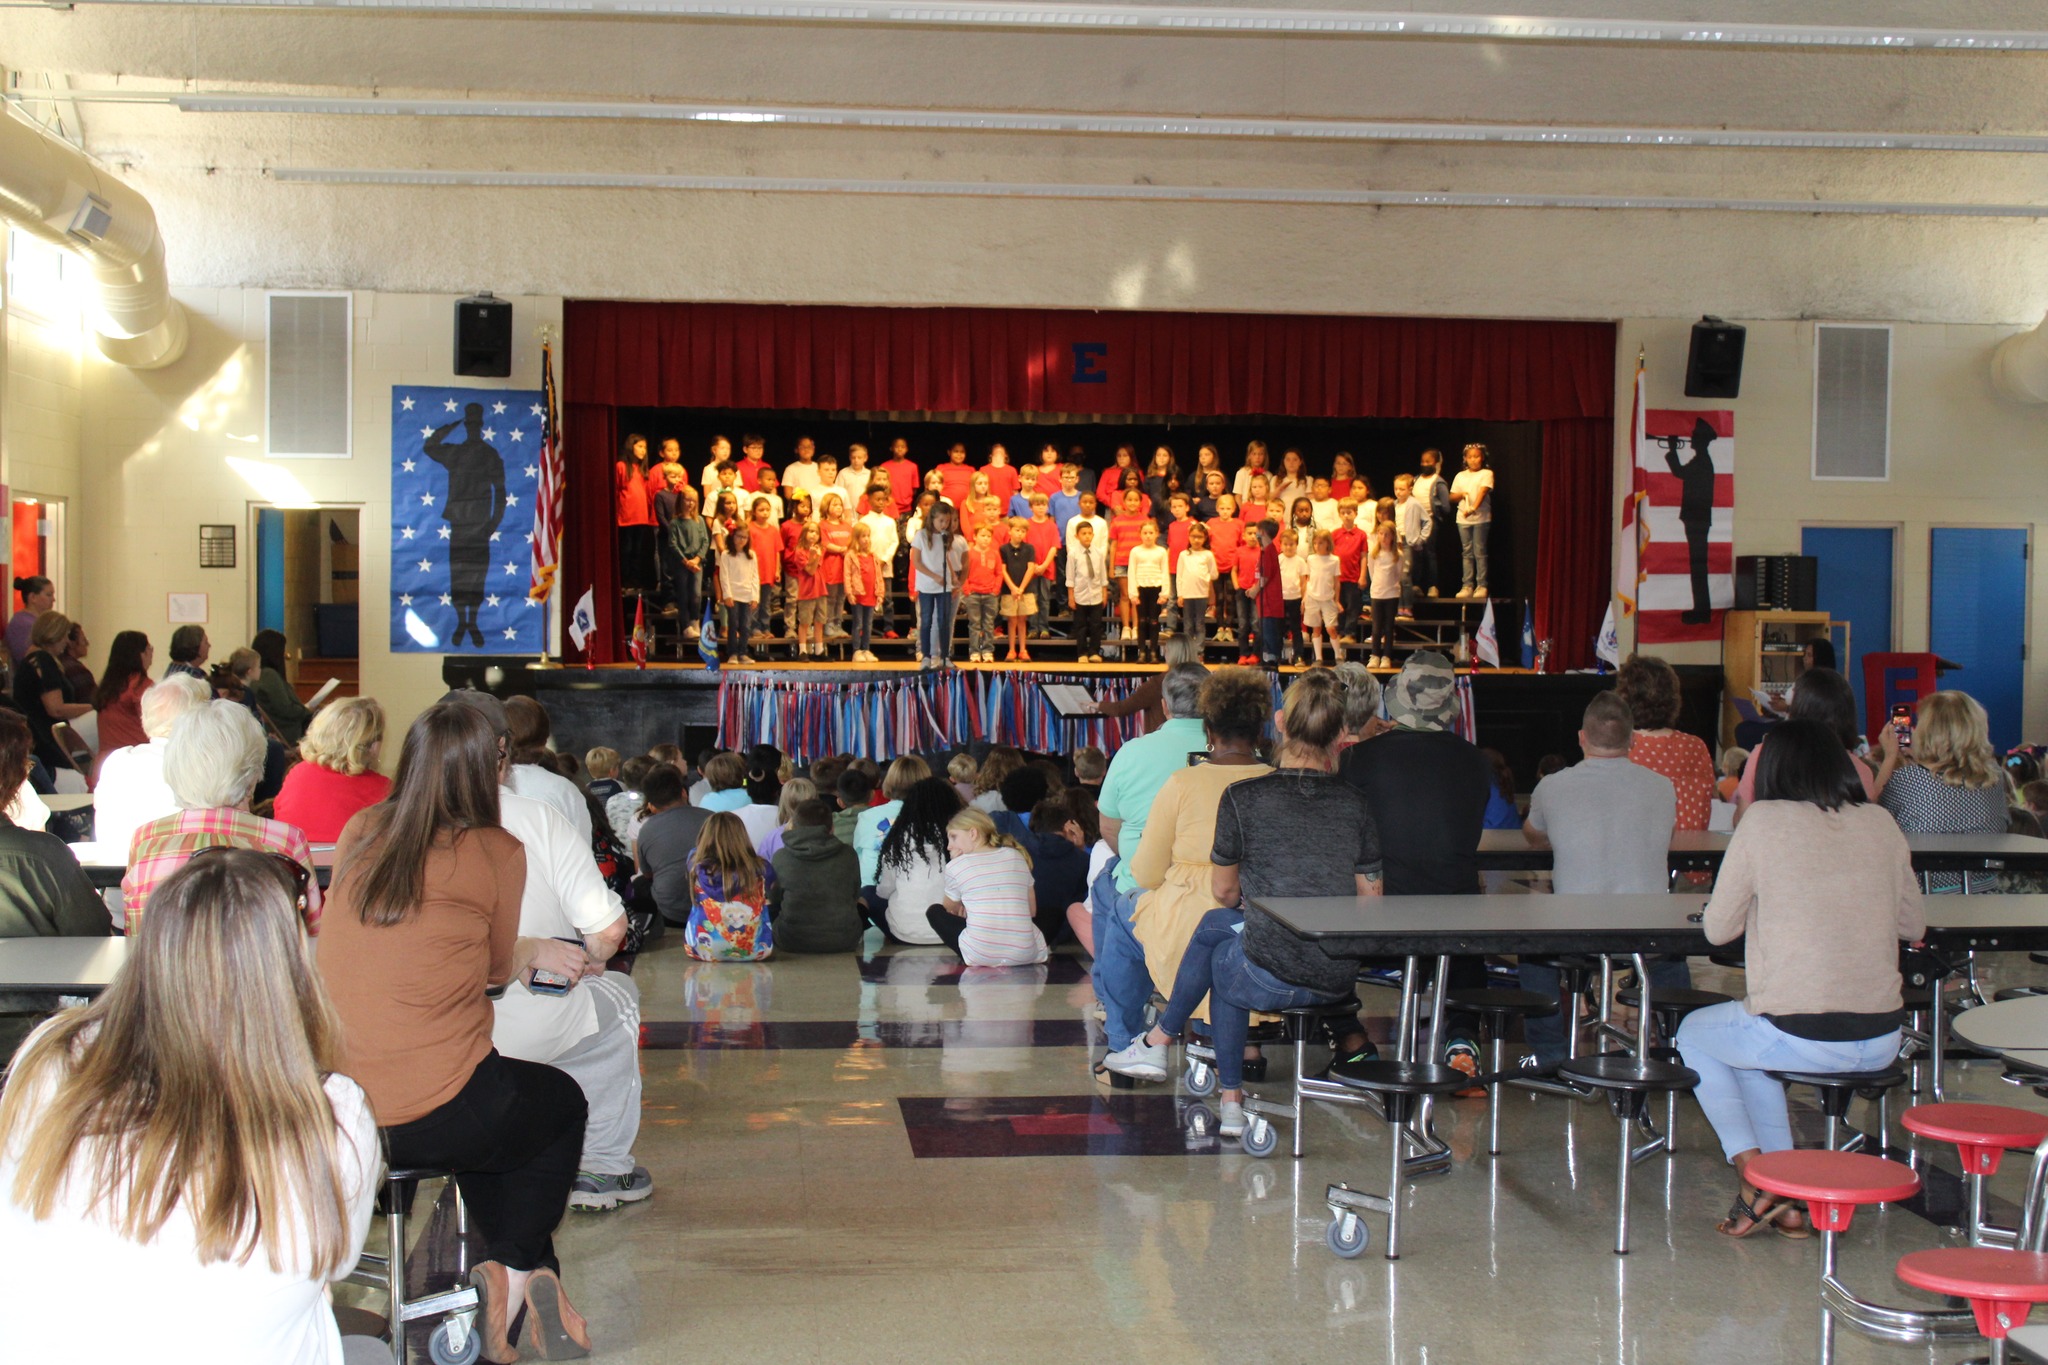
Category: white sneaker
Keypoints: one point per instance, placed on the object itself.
(1140, 1061)
(1231, 1123)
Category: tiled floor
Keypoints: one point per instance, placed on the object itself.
(895, 1161)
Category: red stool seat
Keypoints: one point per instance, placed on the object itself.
(1981, 1132)
(1832, 1183)
(2002, 1286)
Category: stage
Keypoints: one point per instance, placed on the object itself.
(896, 707)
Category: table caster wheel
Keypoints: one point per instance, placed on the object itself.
(1200, 1078)
(1260, 1138)
(1348, 1236)
(441, 1347)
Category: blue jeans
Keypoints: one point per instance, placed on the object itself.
(934, 624)
(1122, 981)
(1270, 630)
(1215, 965)
(1732, 1049)
(1472, 542)
(1546, 1036)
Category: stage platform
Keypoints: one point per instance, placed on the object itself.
(1525, 715)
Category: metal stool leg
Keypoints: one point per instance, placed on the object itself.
(1300, 1066)
(1394, 1164)
(1621, 1181)
(394, 1231)
(1827, 1319)
(1499, 1055)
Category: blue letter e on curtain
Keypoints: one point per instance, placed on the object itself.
(1088, 358)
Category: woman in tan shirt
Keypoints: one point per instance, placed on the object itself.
(1820, 883)
(423, 916)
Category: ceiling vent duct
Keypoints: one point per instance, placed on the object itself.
(53, 191)
(2019, 367)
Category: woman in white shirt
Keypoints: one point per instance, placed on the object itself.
(130, 1154)
(1472, 491)
(911, 876)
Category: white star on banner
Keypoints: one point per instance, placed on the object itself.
(449, 404)
(405, 532)
(426, 499)
(511, 568)
(426, 432)
(533, 471)
(491, 601)
(532, 602)
(518, 435)
(442, 532)
(407, 465)
(406, 404)
(494, 537)
(497, 409)
(539, 411)
(511, 633)
(446, 600)
(426, 564)
(511, 499)
(405, 599)
(489, 434)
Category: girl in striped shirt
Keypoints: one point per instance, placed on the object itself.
(987, 914)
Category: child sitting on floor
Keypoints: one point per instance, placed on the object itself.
(987, 914)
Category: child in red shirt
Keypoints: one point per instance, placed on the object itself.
(1002, 475)
(984, 582)
(1048, 470)
(835, 535)
(863, 590)
(901, 471)
(1271, 598)
(751, 464)
(1109, 488)
(807, 567)
(767, 541)
(956, 476)
(1124, 529)
(1226, 537)
(1043, 535)
(1348, 542)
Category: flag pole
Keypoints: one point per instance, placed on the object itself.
(550, 607)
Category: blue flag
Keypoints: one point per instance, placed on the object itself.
(1528, 638)
(707, 638)
(465, 468)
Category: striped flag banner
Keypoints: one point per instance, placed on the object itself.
(1685, 461)
(547, 501)
(1628, 579)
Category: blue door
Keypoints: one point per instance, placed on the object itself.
(269, 569)
(1853, 583)
(1977, 619)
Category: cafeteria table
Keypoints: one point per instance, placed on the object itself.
(61, 966)
(1508, 850)
(104, 867)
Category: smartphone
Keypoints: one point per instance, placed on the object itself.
(1902, 726)
(549, 983)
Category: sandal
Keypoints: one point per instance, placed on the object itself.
(1745, 1210)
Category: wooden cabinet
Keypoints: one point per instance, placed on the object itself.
(1765, 651)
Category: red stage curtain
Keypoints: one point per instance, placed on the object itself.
(590, 559)
(688, 355)
(1574, 537)
(622, 354)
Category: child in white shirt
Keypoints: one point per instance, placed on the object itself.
(1193, 579)
(1293, 575)
(1409, 521)
(1146, 580)
(1319, 609)
(1322, 506)
(1087, 585)
(884, 541)
(1384, 584)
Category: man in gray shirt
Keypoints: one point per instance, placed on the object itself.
(1609, 823)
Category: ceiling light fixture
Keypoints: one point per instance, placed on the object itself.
(1121, 125)
(1218, 194)
(1218, 20)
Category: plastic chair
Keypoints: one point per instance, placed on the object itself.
(1982, 1134)
(455, 1340)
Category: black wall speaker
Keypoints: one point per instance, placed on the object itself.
(1713, 366)
(483, 337)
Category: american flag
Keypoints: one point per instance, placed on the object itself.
(1628, 583)
(547, 501)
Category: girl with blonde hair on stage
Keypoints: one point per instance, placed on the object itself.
(1254, 467)
(835, 535)
(863, 590)
(939, 559)
(1256, 503)
(1293, 481)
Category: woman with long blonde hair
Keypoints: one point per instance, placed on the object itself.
(189, 1137)
(1948, 779)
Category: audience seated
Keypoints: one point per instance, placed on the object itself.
(1824, 696)
(911, 869)
(212, 764)
(725, 783)
(602, 766)
(1139, 769)
(132, 790)
(533, 768)
(1059, 866)
(667, 842)
(189, 651)
(1609, 822)
(855, 791)
(338, 776)
(1297, 831)
(1172, 865)
(1090, 764)
(986, 915)
(427, 894)
(1819, 885)
(1500, 801)
(623, 808)
(961, 770)
(815, 899)
(118, 698)
(1950, 781)
(998, 763)
(1650, 687)
(873, 824)
(729, 891)
(1022, 790)
(41, 692)
(128, 1154)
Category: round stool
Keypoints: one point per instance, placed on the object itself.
(1838, 1088)
(2002, 1286)
(1833, 1184)
(1982, 1133)
(1296, 1026)
(1400, 1087)
(2017, 993)
(1670, 1004)
(1628, 1082)
(1495, 1008)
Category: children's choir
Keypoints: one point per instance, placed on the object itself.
(1275, 560)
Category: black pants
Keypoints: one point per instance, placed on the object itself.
(636, 556)
(1293, 628)
(1088, 629)
(1383, 626)
(1352, 618)
(947, 925)
(1148, 623)
(513, 1136)
(738, 637)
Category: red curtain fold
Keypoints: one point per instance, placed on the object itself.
(1186, 365)
(1574, 537)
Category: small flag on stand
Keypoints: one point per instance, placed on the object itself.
(1528, 639)
(707, 638)
(1486, 648)
(1607, 645)
(583, 621)
(639, 632)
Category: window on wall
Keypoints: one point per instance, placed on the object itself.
(1852, 402)
(44, 282)
(308, 390)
